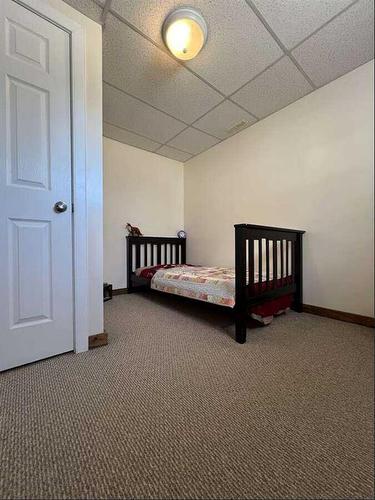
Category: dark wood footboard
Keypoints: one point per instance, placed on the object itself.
(268, 263)
(142, 251)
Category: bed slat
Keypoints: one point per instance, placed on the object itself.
(250, 264)
(260, 264)
(282, 261)
(274, 259)
(293, 261)
(145, 255)
(158, 257)
(267, 263)
(183, 252)
(137, 256)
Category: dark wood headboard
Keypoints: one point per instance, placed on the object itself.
(142, 251)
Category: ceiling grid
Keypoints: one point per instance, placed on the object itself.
(260, 56)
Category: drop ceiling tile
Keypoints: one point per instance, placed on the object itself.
(223, 118)
(341, 46)
(174, 154)
(193, 141)
(87, 7)
(274, 89)
(292, 20)
(121, 135)
(127, 112)
(238, 46)
(135, 65)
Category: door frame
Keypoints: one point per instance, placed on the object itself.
(82, 136)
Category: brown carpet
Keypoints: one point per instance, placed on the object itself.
(174, 408)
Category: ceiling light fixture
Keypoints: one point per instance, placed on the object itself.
(185, 33)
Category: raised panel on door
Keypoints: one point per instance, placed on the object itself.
(26, 45)
(36, 263)
(28, 147)
(31, 282)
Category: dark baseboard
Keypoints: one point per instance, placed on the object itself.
(340, 315)
(119, 291)
(98, 340)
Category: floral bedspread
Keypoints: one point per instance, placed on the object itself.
(209, 284)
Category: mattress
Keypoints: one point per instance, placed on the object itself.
(215, 285)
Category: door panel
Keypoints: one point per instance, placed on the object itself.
(29, 148)
(36, 269)
(30, 294)
(26, 45)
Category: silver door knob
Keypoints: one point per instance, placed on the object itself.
(60, 206)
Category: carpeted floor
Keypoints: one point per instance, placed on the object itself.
(174, 408)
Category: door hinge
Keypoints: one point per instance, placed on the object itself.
(72, 207)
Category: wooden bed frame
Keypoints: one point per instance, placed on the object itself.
(263, 246)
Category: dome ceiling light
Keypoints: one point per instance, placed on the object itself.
(185, 33)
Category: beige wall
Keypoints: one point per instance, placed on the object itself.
(309, 166)
(141, 188)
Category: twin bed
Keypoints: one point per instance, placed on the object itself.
(266, 279)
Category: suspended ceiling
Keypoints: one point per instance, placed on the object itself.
(260, 56)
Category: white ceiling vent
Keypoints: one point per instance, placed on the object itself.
(238, 127)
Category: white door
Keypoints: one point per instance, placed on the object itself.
(36, 273)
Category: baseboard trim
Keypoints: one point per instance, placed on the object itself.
(98, 340)
(119, 291)
(340, 315)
